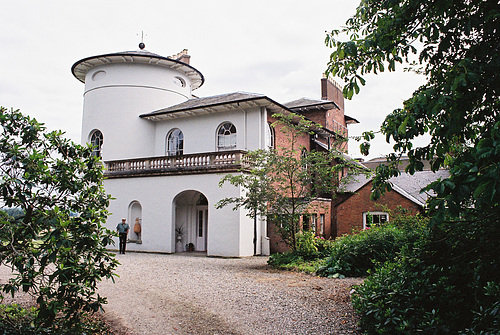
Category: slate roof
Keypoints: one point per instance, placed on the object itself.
(212, 101)
(345, 156)
(305, 104)
(407, 185)
(224, 102)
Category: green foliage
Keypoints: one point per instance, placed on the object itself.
(309, 256)
(324, 246)
(447, 287)
(455, 45)
(401, 298)
(16, 320)
(486, 319)
(357, 254)
(459, 104)
(306, 244)
(293, 262)
(55, 243)
(282, 183)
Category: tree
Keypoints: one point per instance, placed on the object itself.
(455, 44)
(285, 182)
(54, 240)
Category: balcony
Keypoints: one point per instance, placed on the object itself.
(212, 162)
(339, 129)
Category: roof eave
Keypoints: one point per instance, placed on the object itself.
(259, 101)
(80, 68)
(328, 105)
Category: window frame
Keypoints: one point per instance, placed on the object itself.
(179, 142)
(270, 136)
(230, 140)
(374, 214)
(97, 146)
(322, 218)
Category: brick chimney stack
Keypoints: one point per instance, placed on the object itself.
(332, 91)
(182, 56)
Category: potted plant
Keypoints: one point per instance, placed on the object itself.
(179, 232)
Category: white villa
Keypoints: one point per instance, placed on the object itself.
(165, 150)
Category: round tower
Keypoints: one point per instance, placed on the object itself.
(121, 86)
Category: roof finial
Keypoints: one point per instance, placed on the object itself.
(142, 45)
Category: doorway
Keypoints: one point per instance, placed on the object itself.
(190, 226)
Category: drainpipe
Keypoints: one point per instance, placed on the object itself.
(255, 235)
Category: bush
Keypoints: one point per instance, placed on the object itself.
(447, 284)
(15, 320)
(292, 261)
(355, 255)
(325, 247)
(306, 245)
(52, 215)
(309, 256)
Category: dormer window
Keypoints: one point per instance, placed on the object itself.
(226, 136)
(175, 142)
(96, 140)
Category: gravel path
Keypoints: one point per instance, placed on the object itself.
(193, 294)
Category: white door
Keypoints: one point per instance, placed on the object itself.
(201, 228)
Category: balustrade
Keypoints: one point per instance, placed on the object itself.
(194, 163)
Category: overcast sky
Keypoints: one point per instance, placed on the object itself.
(275, 48)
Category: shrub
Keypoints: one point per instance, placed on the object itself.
(306, 245)
(447, 284)
(15, 320)
(325, 247)
(279, 259)
(54, 238)
(355, 255)
(292, 261)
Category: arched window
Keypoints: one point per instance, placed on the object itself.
(226, 136)
(175, 142)
(96, 141)
(270, 136)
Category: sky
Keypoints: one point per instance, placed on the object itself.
(271, 47)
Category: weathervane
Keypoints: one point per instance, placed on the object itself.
(142, 45)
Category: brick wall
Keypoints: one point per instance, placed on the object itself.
(317, 116)
(282, 140)
(333, 92)
(316, 208)
(349, 213)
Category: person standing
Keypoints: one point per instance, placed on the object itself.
(122, 229)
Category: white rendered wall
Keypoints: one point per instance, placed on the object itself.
(230, 233)
(200, 131)
(116, 94)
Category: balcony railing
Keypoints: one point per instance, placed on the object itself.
(339, 129)
(213, 162)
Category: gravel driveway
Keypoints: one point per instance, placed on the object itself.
(194, 294)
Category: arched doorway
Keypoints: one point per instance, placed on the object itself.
(190, 221)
